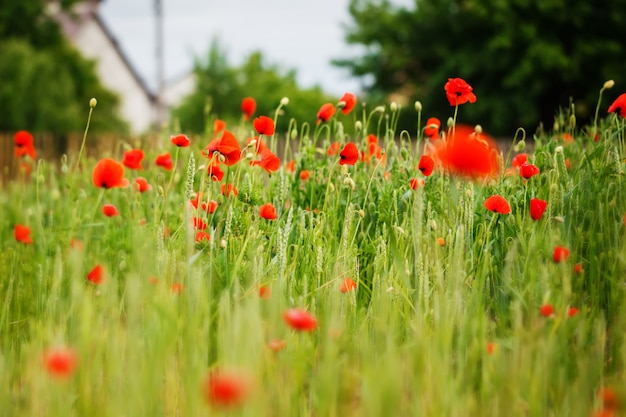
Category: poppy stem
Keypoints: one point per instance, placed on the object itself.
(169, 185)
(456, 110)
(82, 145)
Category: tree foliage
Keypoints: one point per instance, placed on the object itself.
(524, 58)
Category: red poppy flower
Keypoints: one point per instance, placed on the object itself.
(269, 161)
(469, 154)
(268, 212)
(263, 125)
(333, 149)
(347, 103)
(349, 154)
(277, 344)
(182, 141)
(490, 348)
(218, 125)
(248, 107)
(537, 207)
(96, 275)
(22, 234)
(24, 144)
(198, 223)
(497, 204)
(416, 183)
(572, 311)
(325, 113)
(202, 235)
(264, 291)
(132, 159)
(578, 268)
(227, 146)
(110, 210)
(223, 388)
(259, 145)
(373, 149)
(141, 185)
(210, 207)
(304, 175)
(108, 174)
(609, 398)
(215, 172)
(60, 362)
(619, 106)
(546, 310)
(347, 285)
(290, 166)
(426, 165)
(228, 190)
(560, 254)
(431, 130)
(459, 92)
(519, 160)
(527, 170)
(165, 161)
(299, 319)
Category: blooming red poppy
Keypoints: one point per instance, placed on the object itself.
(110, 210)
(165, 161)
(459, 92)
(227, 146)
(248, 107)
(537, 207)
(210, 207)
(182, 141)
(96, 275)
(431, 130)
(22, 234)
(268, 212)
(572, 311)
(347, 285)
(60, 362)
(141, 185)
(349, 154)
(519, 160)
(300, 319)
(202, 235)
(264, 291)
(347, 103)
(546, 310)
(277, 344)
(24, 144)
(467, 153)
(426, 165)
(198, 223)
(560, 254)
(229, 190)
(497, 204)
(527, 170)
(215, 172)
(333, 149)
(263, 125)
(304, 175)
(218, 125)
(226, 388)
(373, 149)
(416, 183)
(325, 113)
(108, 174)
(258, 144)
(132, 159)
(269, 161)
(619, 106)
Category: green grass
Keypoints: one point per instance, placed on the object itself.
(411, 340)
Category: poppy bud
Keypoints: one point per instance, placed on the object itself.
(358, 126)
(520, 146)
(558, 149)
(393, 107)
(559, 219)
(478, 129)
(294, 133)
(331, 186)
(349, 182)
(284, 101)
(223, 243)
(572, 121)
(450, 122)
(221, 158)
(555, 126)
(608, 84)
(361, 213)
(433, 225)
(93, 102)
(418, 106)
(252, 143)
(380, 109)
(249, 155)
(160, 190)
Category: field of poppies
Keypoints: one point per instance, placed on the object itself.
(310, 272)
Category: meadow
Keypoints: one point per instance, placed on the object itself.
(383, 273)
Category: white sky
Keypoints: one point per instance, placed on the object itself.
(304, 35)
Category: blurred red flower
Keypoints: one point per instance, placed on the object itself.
(431, 130)
(349, 154)
(198, 223)
(527, 170)
(96, 275)
(304, 175)
(226, 388)
(497, 204)
(110, 210)
(268, 212)
(518, 160)
(248, 107)
(333, 149)
(619, 106)
(202, 235)
(24, 144)
(141, 185)
(227, 146)
(132, 159)
(22, 234)
(299, 319)
(277, 344)
(426, 165)
(263, 125)
(165, 161)
(269, 161)
(373, 149)
(416, 183)
(347, 285)
(60, 362)
(546, 310)
(215, 172)
(349, 101)
(229, 190)
(459, 92)
(218, 125)
(572, 311)
(537, 207)
(182, 141)
(264, 291)
(290, 166)
(325, 113)
(560, 254)
(108, 174)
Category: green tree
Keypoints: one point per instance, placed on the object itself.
(524, 58)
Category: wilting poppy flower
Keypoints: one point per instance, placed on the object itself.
(527, 170)
(326, 112)
(347, 285)
(537, 207)
(416, 183)
(228, 190)
(560, 254)
(215, 172)
(132, 159)
(373, 149)
(141, 185)
(459, 92)
(263, 125)
(347, 103)
(218, 125)
(248, 107)
(60, 362)
(333, 149)
(22, 234)
(226, 388)
(349, 154)
(268, 212)
(467, 153)
(165, 161)
(108, 174)
(264, 291)
(546, 310)
(202, 235)
(619, 106)
(110, 210)
(182, 141)
(426, 165)
(431, 130)
(572, 311)
(277, 344)
(96, 275)
(497, 204)
(299, 319)
(304, 175)
(269, 161)
(24, 144)
(518, 160)
(227, 146)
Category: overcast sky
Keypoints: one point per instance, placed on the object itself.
(304, 35)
